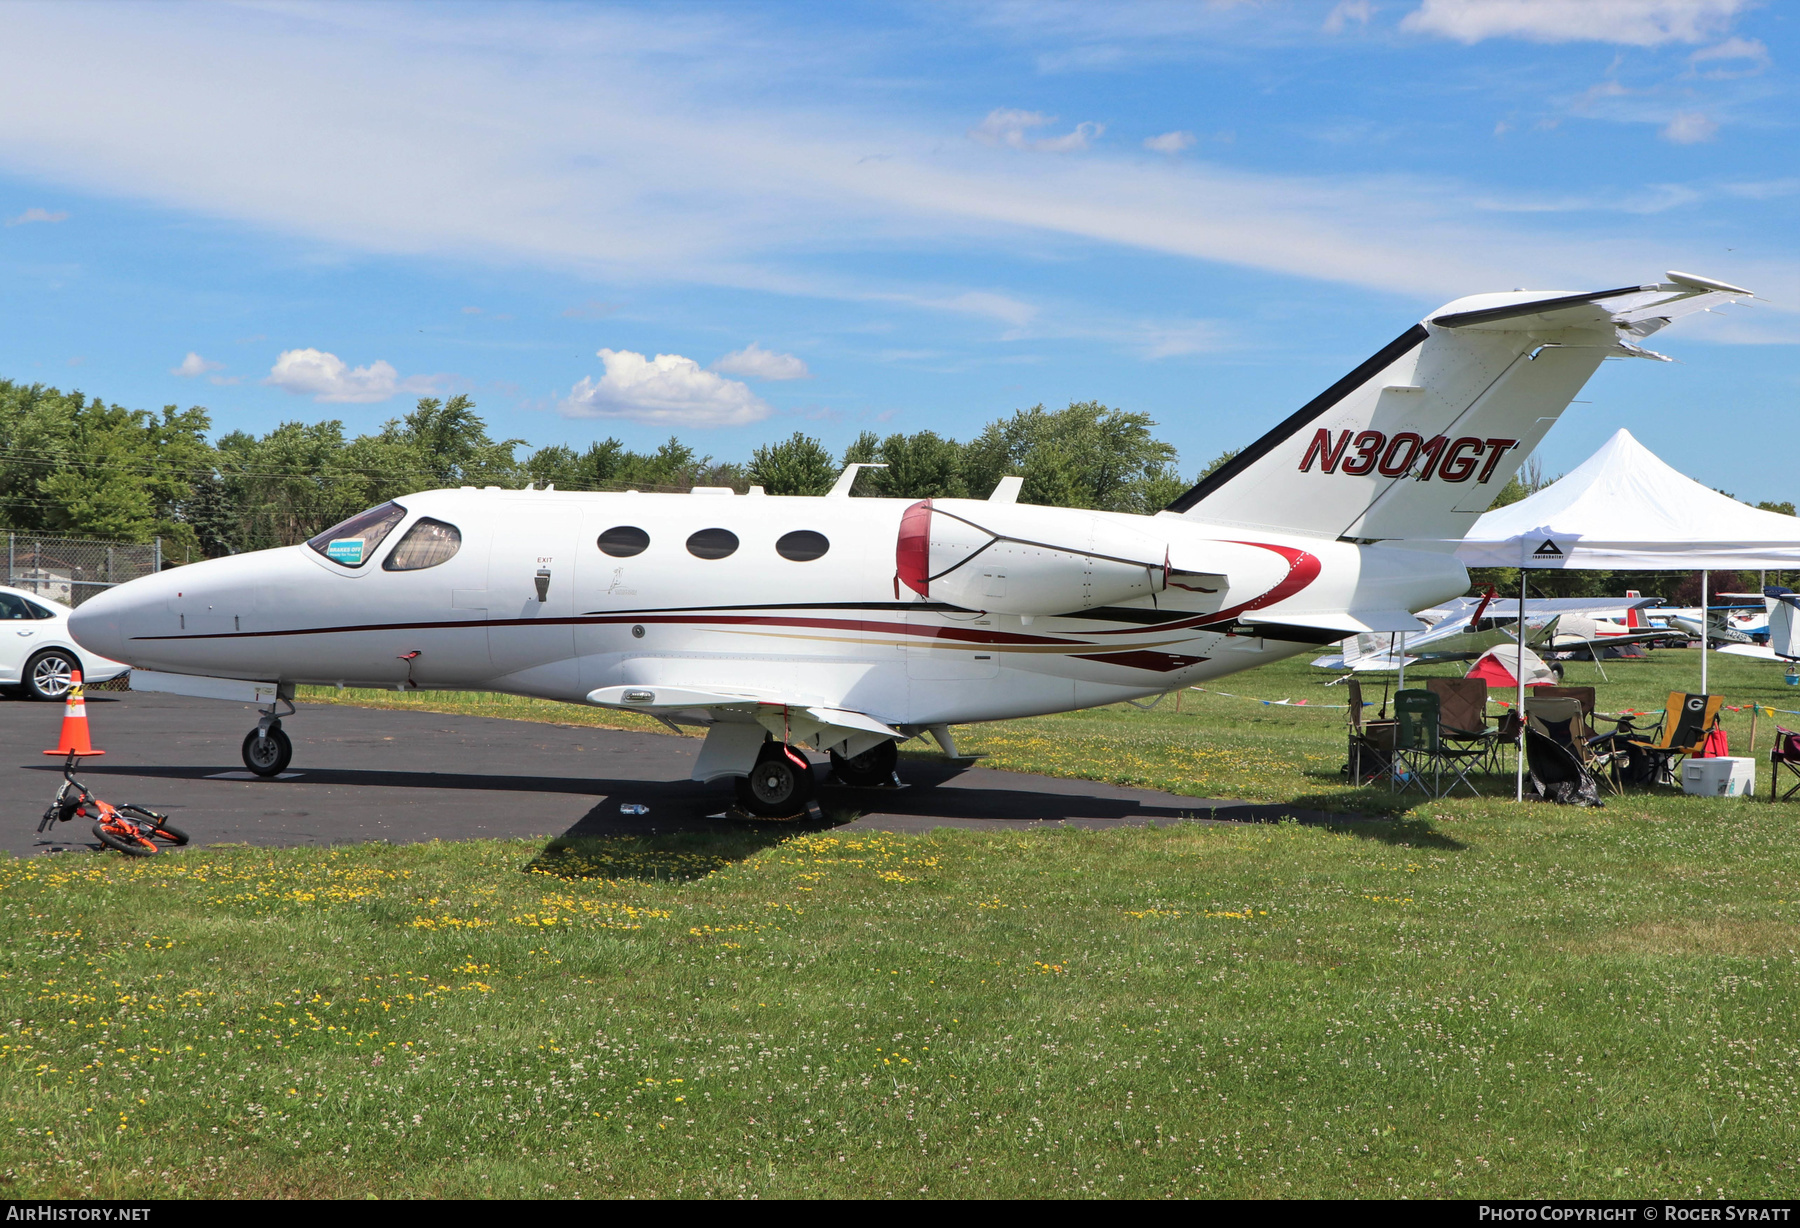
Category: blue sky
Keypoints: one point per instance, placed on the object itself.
(887, 217)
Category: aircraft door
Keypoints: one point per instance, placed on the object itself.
(531, 592)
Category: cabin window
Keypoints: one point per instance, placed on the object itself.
(623, 541)
(802, 546)
(428, 543)
(352, 543)
(712, 543)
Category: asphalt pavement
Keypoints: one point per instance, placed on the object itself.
(362, 774)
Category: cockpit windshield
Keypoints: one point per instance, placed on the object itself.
(353, 542)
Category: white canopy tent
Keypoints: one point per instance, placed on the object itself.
(1625, 509)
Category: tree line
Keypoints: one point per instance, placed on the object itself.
(79, 467)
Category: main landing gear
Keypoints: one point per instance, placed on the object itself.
(872, 767)
(782, 782)
(780, 785)
(267, 750)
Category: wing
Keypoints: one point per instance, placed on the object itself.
(737, 721)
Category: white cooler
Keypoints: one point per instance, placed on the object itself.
(1721, 777)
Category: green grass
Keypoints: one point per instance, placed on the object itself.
(1475, 999)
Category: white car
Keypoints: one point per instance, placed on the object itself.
(38, 656)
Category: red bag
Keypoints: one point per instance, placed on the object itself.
(1715, 746)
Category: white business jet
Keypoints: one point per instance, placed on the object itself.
(849, 625)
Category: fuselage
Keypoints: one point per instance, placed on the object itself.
(559, 594)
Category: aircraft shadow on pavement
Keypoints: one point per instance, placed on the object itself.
(676, 806)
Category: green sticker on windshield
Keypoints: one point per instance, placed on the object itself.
(345, 550)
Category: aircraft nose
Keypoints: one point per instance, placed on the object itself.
(98, 624)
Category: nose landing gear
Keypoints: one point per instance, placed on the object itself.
(267, 750)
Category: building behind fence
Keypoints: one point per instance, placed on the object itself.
(72, 569)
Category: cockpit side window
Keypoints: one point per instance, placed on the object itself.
(352, 543)
(426, 544)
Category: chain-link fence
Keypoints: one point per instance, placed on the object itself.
(72, 569)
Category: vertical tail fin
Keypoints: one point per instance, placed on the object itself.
(1417, 441)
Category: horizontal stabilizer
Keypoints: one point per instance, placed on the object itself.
(1416, 441)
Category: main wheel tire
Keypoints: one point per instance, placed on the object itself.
(174, 837)
(50, 674)
(874, 766)
(780, 784)
(268, 754)
(131, 848)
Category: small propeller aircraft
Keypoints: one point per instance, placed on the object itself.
(848, 625)
(1465, 628)
(1781, 630)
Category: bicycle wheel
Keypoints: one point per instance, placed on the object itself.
(131, 848)
(154, 825)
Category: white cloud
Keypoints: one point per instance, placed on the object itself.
(326, 377)
(36, 215)
(1170, 142)
(1689, 128)
(194, 365)
(1634, 23)
(1009, 128)
(594, 161)
(1346, 11)
(754, 362)
(1187, 337)
(668, 390)
(1735, 57)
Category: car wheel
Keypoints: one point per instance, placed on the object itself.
(50, 674)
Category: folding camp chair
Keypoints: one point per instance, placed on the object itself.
(1784, 754)
(1555, 768)
(1564, 715)
(1462, 719)
(1686, 721)
(1583, 693)
(1422, 758)
(1371, 742)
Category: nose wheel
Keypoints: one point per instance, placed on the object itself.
(267, 752)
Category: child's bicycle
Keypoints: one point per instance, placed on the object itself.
(136, 831)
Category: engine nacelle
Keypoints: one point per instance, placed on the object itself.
(1013, 559)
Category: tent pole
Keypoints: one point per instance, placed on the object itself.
(1519, 675)
(1703, 629)
(1400, 685)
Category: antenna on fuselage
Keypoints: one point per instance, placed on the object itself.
(847, 479)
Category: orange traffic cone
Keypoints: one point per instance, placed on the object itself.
(74, 740)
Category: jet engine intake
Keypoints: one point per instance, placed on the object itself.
(1013, 559)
